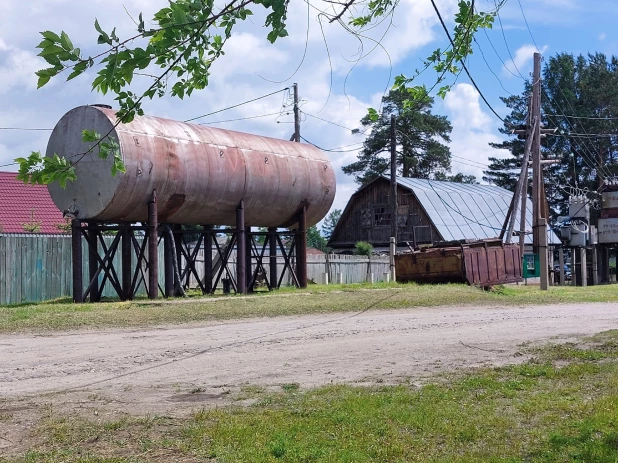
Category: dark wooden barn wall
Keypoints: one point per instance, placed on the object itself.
(363, 219)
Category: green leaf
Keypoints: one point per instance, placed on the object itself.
(97, 26)
(42, 81)
(51, 36)
(66, 42)
(89, 136)
(373, 115)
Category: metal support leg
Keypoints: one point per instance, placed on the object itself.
(127, 252)
(93, 263)
(241, 271)
(272, 252)
(76, 244)
(208, 259)
(249, 257)
(168, 265)
(301, 249)
(153, 253)
(177, 229)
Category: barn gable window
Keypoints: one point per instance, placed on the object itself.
(381, 216)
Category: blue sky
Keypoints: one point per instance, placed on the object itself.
(251, 64)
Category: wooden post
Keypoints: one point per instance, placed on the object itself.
(543, 254)
(595, 266)
(561, 263)
(391, 255)
(394, 178)
(582, 265)
(296, 115)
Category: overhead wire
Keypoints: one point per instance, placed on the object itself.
(237, 105)
(278, 113)
(448, 34)
(332, 150)
(528, 26)
(590, 161)
(508, 49)
(26, 129)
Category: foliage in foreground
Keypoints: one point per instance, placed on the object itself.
(561, 406)
(173, 53)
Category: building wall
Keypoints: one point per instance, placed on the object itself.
(367, 218)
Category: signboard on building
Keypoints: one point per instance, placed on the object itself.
(609, 200)
(607, 231)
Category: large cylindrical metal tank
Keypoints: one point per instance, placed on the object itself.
(200, 174)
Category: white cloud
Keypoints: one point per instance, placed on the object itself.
(521, 62)
(17, 68)
(473, 130)
(602, 36)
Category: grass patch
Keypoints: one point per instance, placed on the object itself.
(63, 315)
(540, 411)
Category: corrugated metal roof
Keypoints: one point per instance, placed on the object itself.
(467, 211)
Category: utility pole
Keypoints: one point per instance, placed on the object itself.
(539, 219)
(296, 115)
(393, 178)
(393, 241)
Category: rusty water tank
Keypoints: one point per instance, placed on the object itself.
(200, 173)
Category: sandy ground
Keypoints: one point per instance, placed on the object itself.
(175, 369)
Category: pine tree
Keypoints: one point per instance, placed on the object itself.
(330, 222)
(420, 136)
(578, 96)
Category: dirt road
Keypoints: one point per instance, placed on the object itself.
(167, 369)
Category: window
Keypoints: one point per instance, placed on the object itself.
(381, 216)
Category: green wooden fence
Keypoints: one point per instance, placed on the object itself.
(37, 268)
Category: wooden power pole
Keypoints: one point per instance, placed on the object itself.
(394, 178)
(532, 149)
(539, 211)
(392, 249)
(296, 116)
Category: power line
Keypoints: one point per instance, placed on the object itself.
(498, 54)
(508, 49)
(528, 26)
(448, 34)
(333, 150)
(591, 161)
(586, 135)
(478, 45)
(329, 122)
(26, 129)
(585, 117)
(237, 105)
(278, 113)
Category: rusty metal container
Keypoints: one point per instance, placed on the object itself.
(200, 173)
(483, 263)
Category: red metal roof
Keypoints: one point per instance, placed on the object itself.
(26, 204)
